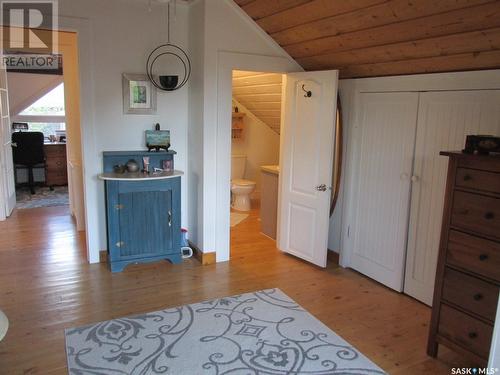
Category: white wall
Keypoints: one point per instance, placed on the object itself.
(259, 143)
(195, 122)
(122, 33)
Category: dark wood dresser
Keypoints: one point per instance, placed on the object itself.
(468, 270)
(56, 173)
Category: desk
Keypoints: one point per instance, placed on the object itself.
(57, 170)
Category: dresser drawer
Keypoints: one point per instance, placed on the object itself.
(55, 150)
(474, 254)
(470, 293)
(462, 329)
(479, 180)
(478, 213)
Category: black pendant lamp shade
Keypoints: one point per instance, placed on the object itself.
(168, 82)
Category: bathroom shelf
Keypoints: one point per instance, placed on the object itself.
(237, 125)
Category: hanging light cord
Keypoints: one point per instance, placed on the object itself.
(168, 22)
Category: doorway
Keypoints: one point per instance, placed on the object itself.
(50, 107)
(255, 148)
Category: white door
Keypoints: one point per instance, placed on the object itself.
(6, 165)
(444, 119)
(387, 126)
(306, 153)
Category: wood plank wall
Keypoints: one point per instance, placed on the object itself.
(261, 94)
(368, 38)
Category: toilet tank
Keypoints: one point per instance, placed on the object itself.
(238, 166)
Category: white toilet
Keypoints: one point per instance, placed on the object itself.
(240, 188)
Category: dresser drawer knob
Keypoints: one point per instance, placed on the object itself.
(472, 335)
(483, 257)
(478, 297)
(489, 215)
(467, 177)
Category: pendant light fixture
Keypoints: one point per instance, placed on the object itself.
(167, 81)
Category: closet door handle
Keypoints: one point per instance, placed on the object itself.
(467, 177)
(478, 297)
(169, 218)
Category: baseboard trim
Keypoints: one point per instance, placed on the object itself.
(204, 258)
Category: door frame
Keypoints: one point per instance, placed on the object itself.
(227, 62)
(90, 159)
(351, 89)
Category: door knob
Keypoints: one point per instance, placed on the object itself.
(414, 178)
(321, 187)
(403, 176)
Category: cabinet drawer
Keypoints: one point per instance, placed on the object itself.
(480, 180)
(55, 150)
(472, 334)
(56, 164)
(478, 213)
(470, 293)
(474, 254)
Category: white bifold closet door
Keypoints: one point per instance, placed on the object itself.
(444, 120)
(386, 142)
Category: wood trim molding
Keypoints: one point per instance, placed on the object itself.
(204, 258)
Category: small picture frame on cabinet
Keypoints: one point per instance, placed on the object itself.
(167, 165)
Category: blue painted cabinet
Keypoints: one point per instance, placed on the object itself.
(143, 221)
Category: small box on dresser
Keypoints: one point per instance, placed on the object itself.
(468, 271)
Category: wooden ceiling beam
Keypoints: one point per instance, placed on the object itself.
(383, 14)
(459, 62)
(310, 12)
(262, 8)
(457, 21)
(484, 40)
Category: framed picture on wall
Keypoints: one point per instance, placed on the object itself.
(139, 95)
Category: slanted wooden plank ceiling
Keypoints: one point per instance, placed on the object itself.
(369, 38)
(261, 94)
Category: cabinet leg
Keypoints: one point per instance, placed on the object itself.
(175, 259)
(432, 349)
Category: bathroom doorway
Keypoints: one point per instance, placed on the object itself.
(255, 148)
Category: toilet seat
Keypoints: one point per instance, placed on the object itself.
(242, 182)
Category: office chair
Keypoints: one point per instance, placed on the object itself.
(28, 153)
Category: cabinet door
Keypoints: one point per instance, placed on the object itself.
(386, 145)
(143, 218)
(145, 223)
(444, 119)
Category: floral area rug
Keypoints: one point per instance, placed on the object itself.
(43, 197)
(264, 332)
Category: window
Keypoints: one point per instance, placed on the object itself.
(47, 113)
(51, 104)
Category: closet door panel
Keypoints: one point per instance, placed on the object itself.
(444, 119)
(387, 134)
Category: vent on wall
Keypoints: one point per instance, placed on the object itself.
(261, 94)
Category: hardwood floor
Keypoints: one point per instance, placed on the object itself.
(46, 286)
